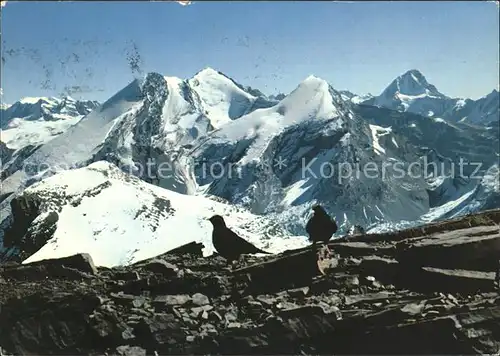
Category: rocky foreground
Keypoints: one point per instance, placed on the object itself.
(430, 290)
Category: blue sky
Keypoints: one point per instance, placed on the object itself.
(361, 46)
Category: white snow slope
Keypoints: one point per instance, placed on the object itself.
(126, 220)
(222, 99)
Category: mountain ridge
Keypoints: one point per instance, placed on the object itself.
(35, 121)
(411, 92)
(188, 125)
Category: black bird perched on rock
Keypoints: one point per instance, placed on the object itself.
(320, 226)
(227, 243)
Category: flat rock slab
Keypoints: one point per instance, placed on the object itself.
(72, 267)
(460, 281)
(475, 248)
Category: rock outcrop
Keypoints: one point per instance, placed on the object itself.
(429, 290)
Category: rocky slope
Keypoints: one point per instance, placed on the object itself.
(429, 290)
(461, 171)
(481, 111)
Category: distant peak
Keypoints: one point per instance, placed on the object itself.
(412, 83)
(416, 76)
(494, 94)
(313, 80)
(208, 71)
(209, 74)
(308, 87)
(311, 77)
(68, 98)
(414, 72)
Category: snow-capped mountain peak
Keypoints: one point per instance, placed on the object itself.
(313, 84)
(47, 108)
(312, 98)
(210, 76)
(414, 77)
(412, 92)
(222, 98)
(412, 84)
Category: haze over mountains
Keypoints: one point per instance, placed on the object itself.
(270, 155)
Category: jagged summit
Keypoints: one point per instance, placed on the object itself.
(493, 93)
(416, 74)
(412, 92)
(34, 100)
(413, 83)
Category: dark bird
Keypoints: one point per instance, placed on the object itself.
(227, 243)
(320, 226)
